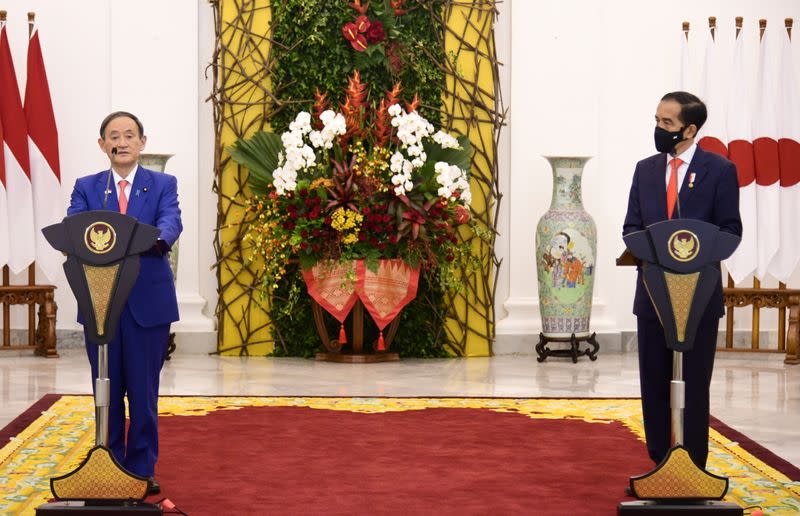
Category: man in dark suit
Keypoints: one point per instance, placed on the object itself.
(681, 181)
(136, 354)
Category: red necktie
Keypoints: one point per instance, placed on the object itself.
(123, 199)
(672, 187)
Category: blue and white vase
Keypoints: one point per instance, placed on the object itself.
(566, 248)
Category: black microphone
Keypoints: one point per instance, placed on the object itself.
(108, 181)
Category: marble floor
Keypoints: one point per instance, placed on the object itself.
(755, 393)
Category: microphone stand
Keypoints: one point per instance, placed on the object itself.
(102, 384)
(677, 387)
(108, 180)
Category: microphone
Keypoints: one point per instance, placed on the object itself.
(108, 181)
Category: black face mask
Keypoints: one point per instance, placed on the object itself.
(666, 141)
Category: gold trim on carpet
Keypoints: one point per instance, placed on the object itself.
(57, 441)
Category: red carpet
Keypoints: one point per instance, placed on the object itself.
(435, 461)
(277, 457)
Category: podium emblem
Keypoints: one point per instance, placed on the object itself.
(683, 245)
(100, 238)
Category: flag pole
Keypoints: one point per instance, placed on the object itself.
(781, 285)
(756, 330)
(32, 266)
(6, 307)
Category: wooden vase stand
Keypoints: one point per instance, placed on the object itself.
(359, 355)
(574, 350)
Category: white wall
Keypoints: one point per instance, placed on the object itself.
(585, 79)
(142, 57)
(579, 77)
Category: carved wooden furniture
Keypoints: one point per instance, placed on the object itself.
(779, 298)
(359, 355)
(41, 336)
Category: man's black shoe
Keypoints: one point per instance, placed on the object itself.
(153, 486)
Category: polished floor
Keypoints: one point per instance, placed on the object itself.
(755, 393)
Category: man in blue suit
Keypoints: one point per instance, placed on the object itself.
(681, 181)
(136, 354)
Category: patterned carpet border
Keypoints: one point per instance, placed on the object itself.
(53, 435)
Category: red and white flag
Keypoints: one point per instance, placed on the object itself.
(3, 206)
(43, 146)
(767, 162)
(22, 245)
(740, 150)
(713, 136)
(786, 259)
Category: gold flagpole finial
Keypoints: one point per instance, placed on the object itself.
(739, 21)
(686, 30)
(789, 22)
(712, 25)
(31, 21)
(762, 26)
(3, 16)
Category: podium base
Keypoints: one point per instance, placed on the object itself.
(704, 508)
(73, 508)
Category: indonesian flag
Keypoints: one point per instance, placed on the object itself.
(22, 246)
(744, 261)
(712, 135)
(785, 260)
(3, 207)
(685, 72)
(765, 152)
(43, 146)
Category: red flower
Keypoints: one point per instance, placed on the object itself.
(362, 24)
(375, 33)
(462, 215)
(354, 32)
(351, 33)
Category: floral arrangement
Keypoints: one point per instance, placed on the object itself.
(367, 181)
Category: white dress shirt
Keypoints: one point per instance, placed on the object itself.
(129, 179)
(686, 157)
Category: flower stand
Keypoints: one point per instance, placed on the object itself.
(340, 288)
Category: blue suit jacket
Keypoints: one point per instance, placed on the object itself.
(153, 200)
(714, 198)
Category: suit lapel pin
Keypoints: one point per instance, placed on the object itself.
(144, 189)
(107, 192)
(691, 179)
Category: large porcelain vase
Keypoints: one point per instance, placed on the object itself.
(158, 163)
(566, 249)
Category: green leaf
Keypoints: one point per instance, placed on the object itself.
(458, 157)
(260, 155)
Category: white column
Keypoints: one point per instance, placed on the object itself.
(154, 68)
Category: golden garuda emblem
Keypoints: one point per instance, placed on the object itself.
(684, 246)
(100, 238)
